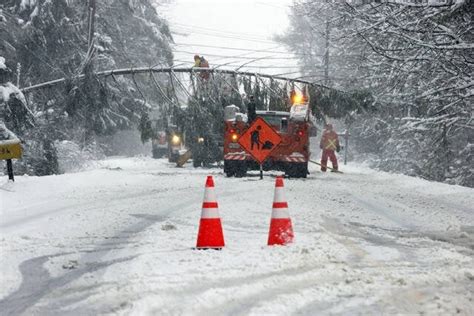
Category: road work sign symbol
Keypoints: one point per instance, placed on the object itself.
(259, 140)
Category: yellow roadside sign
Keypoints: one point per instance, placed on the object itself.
(10, 151)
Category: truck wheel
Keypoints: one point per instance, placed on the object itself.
(229, 168)
(196, 163)
(297, 170)
(173, 157)
(289, 170)
(240, 169)
(158, 153)
(304, 170)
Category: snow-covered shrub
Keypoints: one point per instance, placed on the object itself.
(71, 158)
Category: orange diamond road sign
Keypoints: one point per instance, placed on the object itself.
(259, 140)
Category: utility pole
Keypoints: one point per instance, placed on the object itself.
(18, 72)
(89, 88)
(346, 145)
(326, 56)
(91, 22)
(91, 8)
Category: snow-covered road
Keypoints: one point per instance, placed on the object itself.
(118, 240)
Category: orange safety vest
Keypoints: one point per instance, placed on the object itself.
(204, 73)
(329, 140)
(204, 63)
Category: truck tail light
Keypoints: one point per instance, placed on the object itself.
(300, 133)
(234, 134)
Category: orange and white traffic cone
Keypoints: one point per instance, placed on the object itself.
(210, 233)
(281, 229)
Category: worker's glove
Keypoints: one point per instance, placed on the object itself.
(321, 146)
(338, 148)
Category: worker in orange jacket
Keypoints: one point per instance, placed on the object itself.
(201, 62)
(329, 143)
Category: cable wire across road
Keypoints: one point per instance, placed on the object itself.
(144, 70)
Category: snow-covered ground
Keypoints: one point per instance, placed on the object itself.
(118, 240)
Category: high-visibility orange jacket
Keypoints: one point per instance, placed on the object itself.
(329, 140)
(204, 63)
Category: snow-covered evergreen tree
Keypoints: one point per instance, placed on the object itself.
(416, 62)
(43, 40)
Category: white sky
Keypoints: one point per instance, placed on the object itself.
(236, 28)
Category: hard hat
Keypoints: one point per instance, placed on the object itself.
(196, 57)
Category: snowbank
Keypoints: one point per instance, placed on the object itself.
(7, 90)
(71, 158)
(26, 4)
(2, 59)
(7, 137)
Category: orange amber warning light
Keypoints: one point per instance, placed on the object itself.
(297, 98)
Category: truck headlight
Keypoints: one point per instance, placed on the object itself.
(175, 140)
(200, 140)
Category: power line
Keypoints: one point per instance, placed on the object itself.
(234, 64)
(239, 56)
(272, 5)
(246, 49)
(239, 34)
(266, 67)
(234, 56)
(240, 38)
(288, 73)
(224, 36)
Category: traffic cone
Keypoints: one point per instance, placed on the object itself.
(281, 229)
(210, 233)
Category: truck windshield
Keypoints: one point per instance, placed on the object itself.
(273, 120)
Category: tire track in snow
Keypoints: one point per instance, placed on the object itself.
(361, 260)
(270, 291)
(409, 263)
(34, 285)
(350, 234)
(384, 208)
(72, 207)
(234, 296)
(38, 285)
(360, 255)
